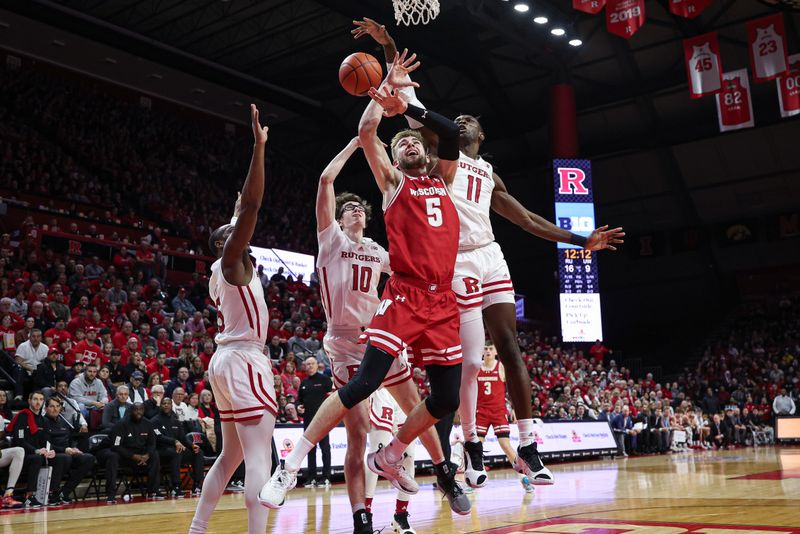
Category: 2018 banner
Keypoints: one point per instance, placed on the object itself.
(766, 44)
(593, 7)
(624, 17)
(734, 105)
(688, 8)
(703, 64)
(789, 88)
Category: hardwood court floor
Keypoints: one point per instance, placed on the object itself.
(731, 492)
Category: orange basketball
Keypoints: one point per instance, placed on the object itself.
(358, 72)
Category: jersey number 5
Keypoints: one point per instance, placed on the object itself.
(434, 208)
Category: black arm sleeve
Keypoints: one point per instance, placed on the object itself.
(446, 129)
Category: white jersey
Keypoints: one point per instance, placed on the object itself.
(769, 52)
(242, 313)
(349, 273)
(704, 70)
(472, 194)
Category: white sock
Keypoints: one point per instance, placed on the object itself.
(359, 506)
(295, 458)
(525, 432)
(394, 451)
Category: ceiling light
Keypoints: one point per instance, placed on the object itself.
(575, 42)
(522, 8)
(540, 20)
(558, 32)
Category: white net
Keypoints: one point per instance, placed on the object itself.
(410, 12)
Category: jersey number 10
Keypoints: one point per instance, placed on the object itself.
(362, 277)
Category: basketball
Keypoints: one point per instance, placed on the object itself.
(358, 72)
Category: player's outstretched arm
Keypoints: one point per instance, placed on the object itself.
(510, 208)
(236, 270)
(326, 196)
(377, 31)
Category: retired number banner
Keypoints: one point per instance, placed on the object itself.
(789, 88)
(734, 106)
(703, 64)
(593, 7)
(688, 8)
(766, 43)
(624, 17)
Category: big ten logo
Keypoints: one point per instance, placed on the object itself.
(576, 224)
(570, 181)
(287, 447)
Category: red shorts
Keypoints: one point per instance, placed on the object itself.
(492, 418)
(420, 317)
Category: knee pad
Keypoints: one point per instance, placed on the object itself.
(357, 390)
(442, 404)
(368, 379)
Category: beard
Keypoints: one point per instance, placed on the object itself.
(414, 162)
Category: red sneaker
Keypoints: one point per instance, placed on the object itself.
(9, 502)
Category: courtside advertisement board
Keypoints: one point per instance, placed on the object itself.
(579, 286)
(293, 263)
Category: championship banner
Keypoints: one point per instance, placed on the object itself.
(703, 64)
(624, 17)
(688, 9)
(593, 7)
(766, 43)
(789, 88)
(579, 283)
(734, 106)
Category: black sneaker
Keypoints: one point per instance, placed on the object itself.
(362, 522)
(54, 500)
(446, 482)
(157, 496)
(474, 473)
(400, 524)
(65, 500)
(111, 500)
(32, 502)
(176, 493)
(529, 463)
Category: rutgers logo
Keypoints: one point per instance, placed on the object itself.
(570, 181)
(471, 285)
(387, 413)
(75, 248)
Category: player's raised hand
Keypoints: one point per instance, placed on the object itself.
(398, 75)
(392, 101)
(259, 132)
(603, 238)
(370, 27)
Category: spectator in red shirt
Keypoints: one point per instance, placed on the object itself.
(154, 313)
(89, 350)
(158, 365)
(58, 332)
(121, 338)
(122, 260)
(133, 346)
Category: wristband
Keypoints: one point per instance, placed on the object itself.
(233, 220)
(575, 239)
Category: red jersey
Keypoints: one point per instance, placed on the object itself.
(491, 390)
(422, 227)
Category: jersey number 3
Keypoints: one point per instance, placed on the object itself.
(487, 388)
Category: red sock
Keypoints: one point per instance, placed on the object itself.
(368, 504)
(400, 507)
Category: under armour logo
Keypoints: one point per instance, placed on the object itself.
(400, 298)
(424, 114)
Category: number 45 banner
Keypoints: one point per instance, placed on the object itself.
(703, 64)
(734, 106)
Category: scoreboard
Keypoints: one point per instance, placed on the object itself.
(579, 289)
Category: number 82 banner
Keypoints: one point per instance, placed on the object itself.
(734, 105)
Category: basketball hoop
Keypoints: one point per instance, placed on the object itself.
(410, 12)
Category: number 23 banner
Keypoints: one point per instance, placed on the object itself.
(766, 42)
(703, 64)
(734, 106)
(624, 17)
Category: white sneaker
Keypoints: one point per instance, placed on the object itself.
(273, 494)
(474, 472)
(529, 463)
(394, 473)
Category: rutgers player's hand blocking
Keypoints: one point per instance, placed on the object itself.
(259, 132)
(398, 75)
(603, 238)
(373, 29)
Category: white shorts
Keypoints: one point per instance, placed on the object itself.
(481, 279)
(241, 378)
(346, 353)
(384, 412)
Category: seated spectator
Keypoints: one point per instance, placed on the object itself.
(116, 371)
(88, 391)
(24, 429)
(181, 303)
(783, 404)
(70, 410)
(5, 409)
(133, 445)
(290, 414)
(145, 339)
(163, 343)
(138, 393)
(180, 381)
(122, 337)
(14, 459)
(287, 377)
(69, 460)
(196, 325)
(274, 350)
(297, 343)
(209, 417)
(31, 352)
(104, 376)
(49, 372)
(174, 449)
(158, 365)
(197, 374)
(90, 349)
(178, 406)
(136, 363)
(152, 406)
(116, 410)
(718, 435)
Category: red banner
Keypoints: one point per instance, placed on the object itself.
(703, 64)
(734, 106)
(624, 17)
(593, 7)
(688, 8)
(766, 42)
(789, 88)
